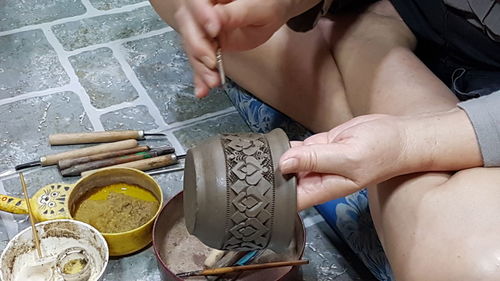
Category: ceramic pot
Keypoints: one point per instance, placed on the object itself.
(191, 252)
(235, 197)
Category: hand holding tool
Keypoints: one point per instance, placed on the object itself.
(231, 269)
(54, 158)
(96, 137)
(78, 169)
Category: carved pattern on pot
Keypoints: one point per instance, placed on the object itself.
(250, 192)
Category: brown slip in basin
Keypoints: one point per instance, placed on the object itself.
(178, 251)
(235, 196)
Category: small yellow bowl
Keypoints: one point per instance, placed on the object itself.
(59, 201)
(120, 243)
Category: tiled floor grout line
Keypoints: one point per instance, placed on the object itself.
(204, 117)
(143, 98)
(35, 94)
(119, 106)
(87, 14)
(67, 87)
(119, 41)
(90, 9)
(75, 85)
(179, 149)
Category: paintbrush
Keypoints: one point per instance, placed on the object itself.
(231, 269)
(36, 239)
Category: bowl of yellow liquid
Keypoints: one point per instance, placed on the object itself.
(121, 203)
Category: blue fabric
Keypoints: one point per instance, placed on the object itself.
(349, 216)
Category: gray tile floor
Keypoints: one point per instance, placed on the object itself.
(84, 65)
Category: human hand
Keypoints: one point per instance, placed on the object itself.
(233, 25)
(199, 24)
(360, 152)
(373, 148)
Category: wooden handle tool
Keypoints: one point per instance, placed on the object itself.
(231, 269)
(97, 137)
(145, 164)
(78, 169)
(66, 163)
(54, 158)
(36, 238)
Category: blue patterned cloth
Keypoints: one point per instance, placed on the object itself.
(349, 216)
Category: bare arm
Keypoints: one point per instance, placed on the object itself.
(373, 148)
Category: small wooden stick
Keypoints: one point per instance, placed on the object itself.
(32, 218)
(231, 269)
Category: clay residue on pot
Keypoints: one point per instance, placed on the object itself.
(21, 262)
(182, 252)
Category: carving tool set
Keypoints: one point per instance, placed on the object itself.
(117, 149)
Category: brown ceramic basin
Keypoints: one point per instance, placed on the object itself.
(178, 251)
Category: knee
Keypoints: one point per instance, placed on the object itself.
(472, 260)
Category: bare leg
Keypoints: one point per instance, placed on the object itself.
(293, 72)
(434, 226)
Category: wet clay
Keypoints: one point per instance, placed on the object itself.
(20, 262)
(235, 196)
(183, 252)
(117, 208)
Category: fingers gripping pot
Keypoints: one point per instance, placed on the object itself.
(235, 197)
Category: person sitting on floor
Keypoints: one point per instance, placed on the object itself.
(401, 96)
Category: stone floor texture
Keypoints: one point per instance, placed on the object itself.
(93, 65)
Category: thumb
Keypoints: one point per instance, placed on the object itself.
(319, 158)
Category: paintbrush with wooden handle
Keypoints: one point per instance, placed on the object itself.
(231, 269)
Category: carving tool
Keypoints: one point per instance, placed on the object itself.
(54, 158)
(145, 164)
(231, 269)
(66, 163)
(97, 137)
(78, 169)
(170, 169)
(220, 66)
(36, 239)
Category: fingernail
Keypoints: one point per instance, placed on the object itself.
(208, 62)
(212, 80)
(212, 29)
(289, 165)
(197, 92)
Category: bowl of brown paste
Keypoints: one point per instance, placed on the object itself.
(121, 203)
